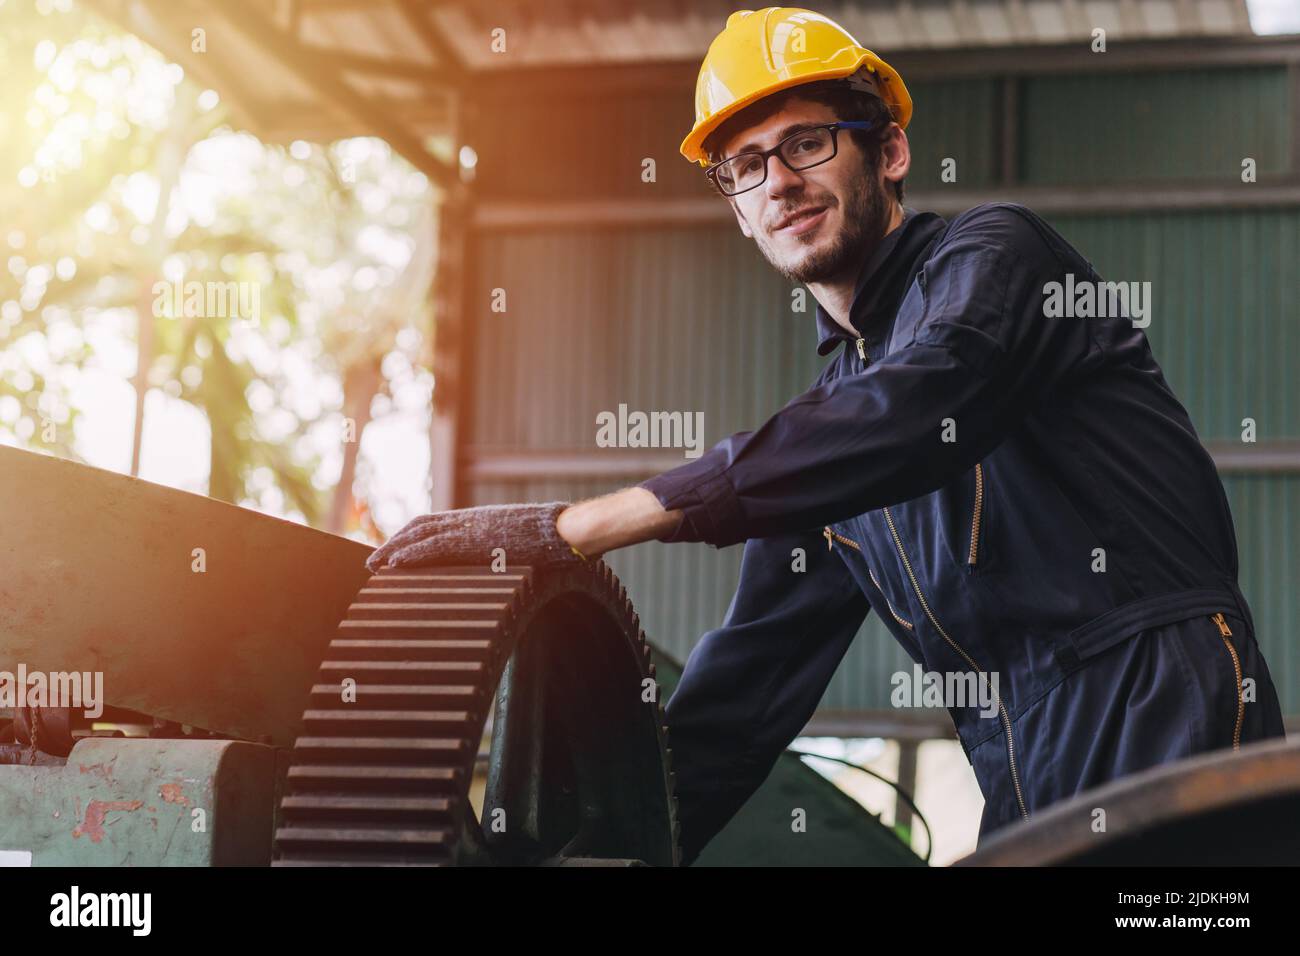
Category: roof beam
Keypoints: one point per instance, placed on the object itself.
(383, 67)
(482, 464)
(1027, 60)
(246, 17)
(706, 209)
(416, 15)
(157, 25)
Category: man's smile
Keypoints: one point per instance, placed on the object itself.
(804, 220)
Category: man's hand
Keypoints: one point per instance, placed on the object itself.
(526, 533)
(530, 534)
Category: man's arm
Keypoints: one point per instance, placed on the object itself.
(974, 353)
(616, 520)
(750, 686)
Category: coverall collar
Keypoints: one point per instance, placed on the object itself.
(881, 283)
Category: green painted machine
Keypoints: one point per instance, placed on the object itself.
(267, 701)
(145, 802)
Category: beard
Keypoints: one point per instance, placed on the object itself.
(866, 214)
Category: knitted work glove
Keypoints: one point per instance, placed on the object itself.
(527, 533)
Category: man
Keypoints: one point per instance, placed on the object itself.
(1016, 492)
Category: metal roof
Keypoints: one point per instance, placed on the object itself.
(617, 31)
(603, 31)
(321, 69)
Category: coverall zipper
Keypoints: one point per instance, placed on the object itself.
(1225, 632)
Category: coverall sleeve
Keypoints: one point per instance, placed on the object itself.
(750, 686)
(973, 352)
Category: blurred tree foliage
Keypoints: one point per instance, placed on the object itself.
(119, 174)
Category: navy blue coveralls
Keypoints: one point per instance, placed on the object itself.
(1074, 538)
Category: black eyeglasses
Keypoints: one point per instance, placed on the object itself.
(800, 150)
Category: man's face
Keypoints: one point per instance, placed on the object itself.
(818, 224)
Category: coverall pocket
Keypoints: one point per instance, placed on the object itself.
(1238, 702)
(978, 556)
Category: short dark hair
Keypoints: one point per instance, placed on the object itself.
(845, 103)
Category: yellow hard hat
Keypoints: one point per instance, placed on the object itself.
(761, 51)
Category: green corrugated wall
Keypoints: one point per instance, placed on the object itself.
(1152, 126)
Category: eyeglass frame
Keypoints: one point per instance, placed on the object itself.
(766, 154)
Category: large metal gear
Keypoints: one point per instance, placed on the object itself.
(579, 769)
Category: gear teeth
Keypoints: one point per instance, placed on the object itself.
(394, 790)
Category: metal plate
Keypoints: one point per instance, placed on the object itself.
(1225, 808)
(97, 574)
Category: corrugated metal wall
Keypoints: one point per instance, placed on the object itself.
(1100, 128)
(691, 318)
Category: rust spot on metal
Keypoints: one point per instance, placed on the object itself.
(96, 810)
(104, 770)
(172, 793)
